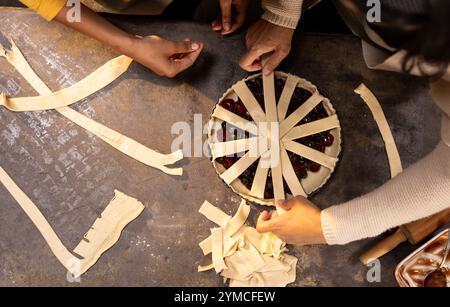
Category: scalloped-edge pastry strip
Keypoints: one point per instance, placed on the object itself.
(122, 143)
(289, 175)
(217, 249)
(103, 234)
(286, 96)
(239, 167)
(372, 102)
(300, 113)
(312, 128)
(310, 154)
(235, 120)
(256, 112)
(223, 149)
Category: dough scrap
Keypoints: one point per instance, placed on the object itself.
(103, 234)
(372, 102)
(258, 260)
(108, 73)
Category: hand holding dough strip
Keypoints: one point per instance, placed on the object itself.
(108, 73)
(104, 233)
(378, 114)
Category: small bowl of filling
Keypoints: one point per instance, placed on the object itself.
(309, 138)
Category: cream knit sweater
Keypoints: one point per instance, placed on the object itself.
(420, 191)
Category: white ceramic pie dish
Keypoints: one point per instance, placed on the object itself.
(314, 181)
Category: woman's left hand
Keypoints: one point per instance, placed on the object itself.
(227, 25)
(300, 225)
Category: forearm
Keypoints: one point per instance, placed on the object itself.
(421, 191)
(97, 27)
(285, 13)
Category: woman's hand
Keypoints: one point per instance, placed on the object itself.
(263, 38)
(226, 25)
(300, 225)
(165, 58)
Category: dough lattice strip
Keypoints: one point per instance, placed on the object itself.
(300, 113)
(259, 182)
(122, 143)
(289, 174)
(239, 167)
(311, 154)
(286, 96)
(241, 89)
(312, 128)
(235, 120)
(233, 147)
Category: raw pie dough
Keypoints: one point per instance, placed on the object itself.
(242, 255)
(103, 234)
(288, 132)
(372, 102)
(86, 87)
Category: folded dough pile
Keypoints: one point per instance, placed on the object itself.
(242, 255)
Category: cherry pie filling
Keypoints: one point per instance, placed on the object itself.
(300, 164)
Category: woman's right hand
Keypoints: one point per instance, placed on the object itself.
(164, 57)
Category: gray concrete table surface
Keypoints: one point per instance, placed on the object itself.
(71, 175)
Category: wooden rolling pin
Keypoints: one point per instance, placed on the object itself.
(414, 233)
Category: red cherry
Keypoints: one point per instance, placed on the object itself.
(314, 167)
(329, 140)
(228, 162)
(227, 104)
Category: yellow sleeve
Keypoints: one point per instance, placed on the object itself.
(48, 9)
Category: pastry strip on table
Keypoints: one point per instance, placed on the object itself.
(286, 96)
(122, 143)
(372, 102)
(310, 154)
(214, 214)
(232, 227)
(289, 174)
(241, 89)
(235, 120)
(312, 128)
(239, 167)
(300, 113)
(70, 95)
(254, 260)
(232, 147)
(104, 233)
(217, 249)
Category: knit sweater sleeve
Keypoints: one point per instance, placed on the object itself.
(285, 13)
(420, 191)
